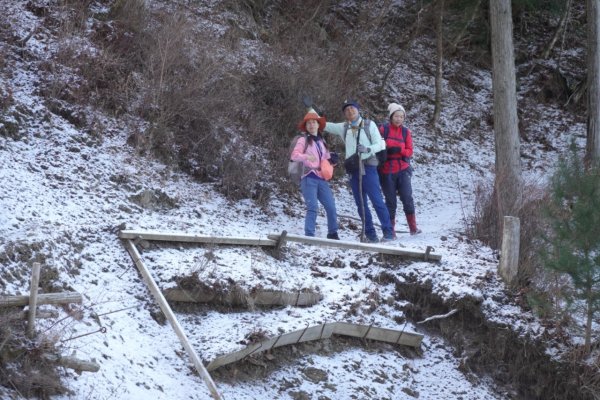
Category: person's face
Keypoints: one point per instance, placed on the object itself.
(397, 118)
(351, 113)
(312, 126)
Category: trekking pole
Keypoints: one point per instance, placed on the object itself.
(361, 171)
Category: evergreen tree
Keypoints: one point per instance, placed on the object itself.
(574, 236)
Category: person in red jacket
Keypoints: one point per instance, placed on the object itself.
(396, 172)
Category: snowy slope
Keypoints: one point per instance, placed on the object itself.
(66, 194)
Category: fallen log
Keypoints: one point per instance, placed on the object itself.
(44, 298)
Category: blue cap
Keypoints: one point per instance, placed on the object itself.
(350, 102)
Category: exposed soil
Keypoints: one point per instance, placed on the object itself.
(514, 362)
(518, 365)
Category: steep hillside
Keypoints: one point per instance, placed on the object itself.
(86, 151)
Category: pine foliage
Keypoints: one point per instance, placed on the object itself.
(574, 236)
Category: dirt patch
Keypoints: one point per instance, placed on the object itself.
(516, 363)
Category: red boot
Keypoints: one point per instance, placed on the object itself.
(412, 224)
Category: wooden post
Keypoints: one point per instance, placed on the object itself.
(33, 291)
(280, 244)
(509, 257)
(166, 309)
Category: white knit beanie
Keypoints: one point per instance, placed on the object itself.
(393, 107)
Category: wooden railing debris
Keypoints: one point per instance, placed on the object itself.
(379, 248)
(44, 298)
(278, 241)
(33, 292)
(164, 306)
(74, 363)
(318, 332)
(192, 238)
(241, 297)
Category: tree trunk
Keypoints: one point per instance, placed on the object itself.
(439, 67)
(562, 26)
(593, 77)
(590, 315)
(508, 184)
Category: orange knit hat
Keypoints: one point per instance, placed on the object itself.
(312, 114)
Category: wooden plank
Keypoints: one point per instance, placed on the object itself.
(317, 332)
(164, 306)
(33, 292)
(379, 248)
(193, 238)
(323, 331)
(233, 357)
(74, 363)
(44, 298)
(379, 334)
(242, 297)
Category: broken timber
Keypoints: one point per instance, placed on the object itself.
(242, 297)
(425, 256)
(164, 306)
(44, 298)
(323, 331)
(274, 240)
(191, 238)
(74, 363)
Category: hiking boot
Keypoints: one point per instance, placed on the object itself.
(412, 224)
(370, 240)
(333, 236)
(388, 238)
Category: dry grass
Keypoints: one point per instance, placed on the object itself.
(484, 224)
(23, 367)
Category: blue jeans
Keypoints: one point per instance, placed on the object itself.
(371, 190)
(315, 190)
(394, 185)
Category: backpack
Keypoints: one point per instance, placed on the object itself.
(386, 133)
(382, 154)
(296, 168)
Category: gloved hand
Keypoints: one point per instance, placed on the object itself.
(362, 149)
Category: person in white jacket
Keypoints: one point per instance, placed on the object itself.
(365, 141)
(311, 149)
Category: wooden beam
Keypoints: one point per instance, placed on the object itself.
(241, 297)
(33, 292)
(318, 332)
(74, 363)
(44, 298)
(192, 238)
(166, 309)
(379, 248)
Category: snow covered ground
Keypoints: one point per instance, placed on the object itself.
(69, 194)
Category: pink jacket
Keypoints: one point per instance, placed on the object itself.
(311, 150)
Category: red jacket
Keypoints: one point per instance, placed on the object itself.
(397, 148)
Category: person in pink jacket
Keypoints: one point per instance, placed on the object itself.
(310, 150)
